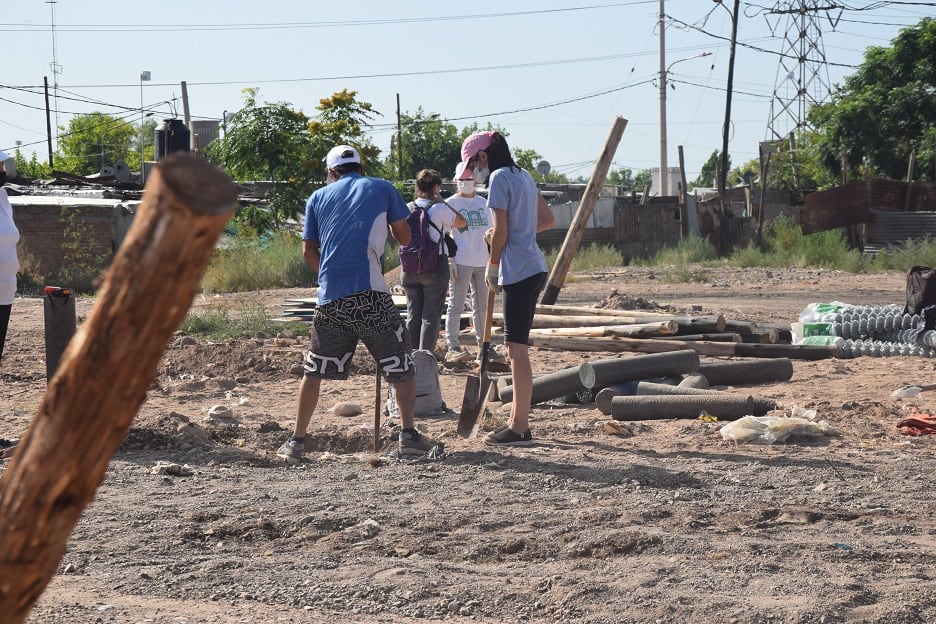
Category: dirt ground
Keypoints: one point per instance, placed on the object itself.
(197, 521)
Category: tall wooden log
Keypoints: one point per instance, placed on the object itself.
(577, 228)
(717, 349)
(102, 378)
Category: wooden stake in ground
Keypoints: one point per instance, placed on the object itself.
(102, 378)
(577, 229)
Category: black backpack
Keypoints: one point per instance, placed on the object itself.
(921, 289)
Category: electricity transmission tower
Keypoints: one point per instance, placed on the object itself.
(802, 76)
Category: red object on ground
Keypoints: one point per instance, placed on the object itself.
(918, 423)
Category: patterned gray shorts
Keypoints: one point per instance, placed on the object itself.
(369, 316)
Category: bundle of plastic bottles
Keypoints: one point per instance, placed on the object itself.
(874, 331)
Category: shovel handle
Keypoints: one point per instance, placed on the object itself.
(486, 342)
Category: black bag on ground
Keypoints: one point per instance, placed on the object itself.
(921, 289)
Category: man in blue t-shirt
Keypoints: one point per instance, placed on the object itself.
(343, 240)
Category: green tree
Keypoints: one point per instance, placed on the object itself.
(885, 110)
(343, 120)
(529, 158)
(148, 137)
(625, 179)
(642, 180)
(31, 168)
(270, 142)
(92, 141)
(797, 171)
(707, 177)
(428, 142)
(275, 142)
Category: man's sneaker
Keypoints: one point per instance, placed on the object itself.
(414, 443)
(505, 436)
(457, 354)
(291, 451)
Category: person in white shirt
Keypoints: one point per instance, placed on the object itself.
(9, 264)
(467, 268)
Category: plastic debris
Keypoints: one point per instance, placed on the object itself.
(771, 428)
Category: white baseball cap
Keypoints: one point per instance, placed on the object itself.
(340, 155)
(4, 156)
(462, 172)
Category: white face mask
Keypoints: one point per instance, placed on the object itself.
(480, 175)
(466, 187)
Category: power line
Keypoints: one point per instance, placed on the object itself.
(132, 28)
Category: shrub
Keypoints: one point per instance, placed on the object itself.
(258, 263)
(590, 258)
(248, 318)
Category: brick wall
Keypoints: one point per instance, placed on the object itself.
(56, 236)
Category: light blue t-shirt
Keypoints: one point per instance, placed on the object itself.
(349, 220)
(513, 189)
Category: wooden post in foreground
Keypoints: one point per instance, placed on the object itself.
(577, 229)
(102, 378)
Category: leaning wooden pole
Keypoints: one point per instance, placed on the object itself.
(577, 228)
(102, 378)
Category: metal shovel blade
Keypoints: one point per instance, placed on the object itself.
(477, 388)
(908, 392)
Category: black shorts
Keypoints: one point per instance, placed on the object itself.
(369, 316)
(519, 307)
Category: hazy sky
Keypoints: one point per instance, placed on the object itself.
(554, 74)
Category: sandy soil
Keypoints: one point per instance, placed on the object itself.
(668, 523)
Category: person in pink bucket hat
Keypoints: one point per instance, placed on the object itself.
(516, 265)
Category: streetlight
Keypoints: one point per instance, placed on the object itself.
(664, 177)
(144, 77)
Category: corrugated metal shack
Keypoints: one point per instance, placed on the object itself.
(877, 212)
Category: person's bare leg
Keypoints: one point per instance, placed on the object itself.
(522, 373)
(405, 392)
(306, 403)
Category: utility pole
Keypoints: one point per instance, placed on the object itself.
(399, 139)
(723, 173)
(48, 120)
(664, 182)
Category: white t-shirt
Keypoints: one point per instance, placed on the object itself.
(9, 236)
(472, 250)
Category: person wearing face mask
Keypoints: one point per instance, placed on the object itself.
(467, 268)
(516, 267)
(9, 264)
